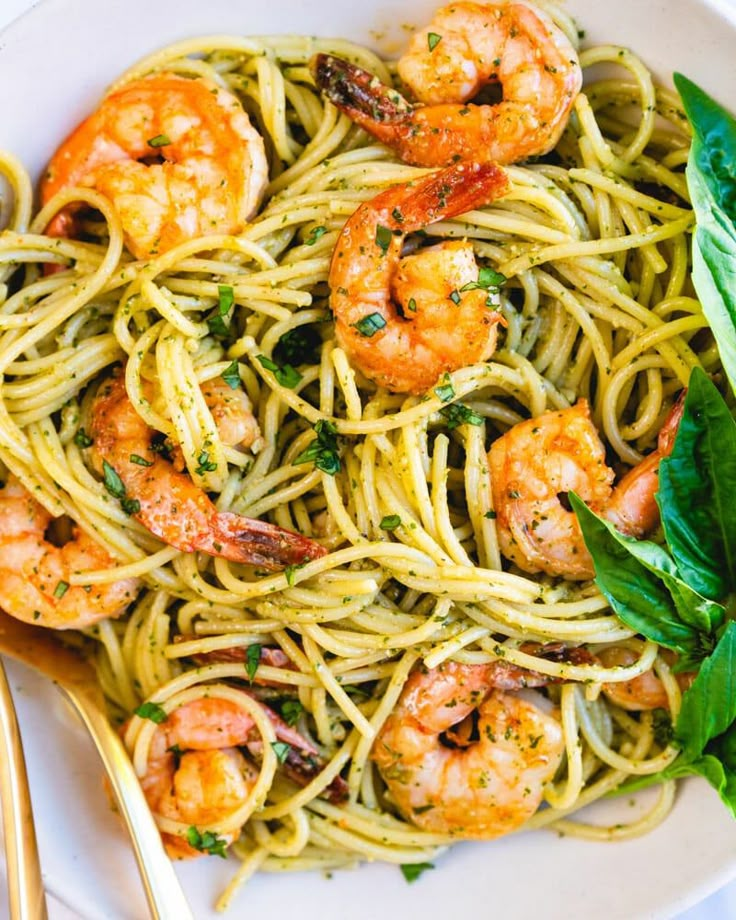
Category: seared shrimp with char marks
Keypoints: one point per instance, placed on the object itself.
(465, 47)
(169, 504)
(404, 322)
(483, 788)
(644, 692)
(212, 177)
(35, 574)
(196, 773)
(537, 462)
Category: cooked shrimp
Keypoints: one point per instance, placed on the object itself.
(537, 462)
(404, 322)
(212, 177)
(169, 504)
(643, 692)
(35, 574)
(232, 412)
(465, 47)
(208, 778)
(484, 790)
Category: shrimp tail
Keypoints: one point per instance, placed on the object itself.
(358, 93)
(259, 543)
(452, 191)
(668, 431)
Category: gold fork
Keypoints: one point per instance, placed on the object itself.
(41, 650)
(25, 888)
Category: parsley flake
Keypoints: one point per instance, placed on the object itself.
(231, 375)
(383, 238)
(433, 39)
(206, 842)
(287, 375)
(370, 325)
(161, 140)
(82, 439)
(61, 588)
(323, 450)
(458, 414)
(390, 522)
(151, 711)
(314, 234)
(446, 391)
(291, 710)
(281, 750)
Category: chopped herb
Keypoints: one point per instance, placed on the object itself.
(287, 375)
(206, 842)
(61, 588)
(82, 439)
(112, 482)
(161, 140)
(226, 299)
(390, 522)
(458, 414)
(383, 238)
(433, 39)
(412, 305)
(412, 871)
(369, 325)
(130, 505)
(290, 572)
(252, 660)
(291, 710)
(217, 326)
(455, 297)
(281, 750)
(397, 215)
(314, 234)
(491, 515)
(151, 711)
(140, 461)
(299, 346)
(488, 280)
(205, 464)
(323, 450)
(445, 391)
(216, 322)
(231, 375)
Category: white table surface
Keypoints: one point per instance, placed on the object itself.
(720, 906)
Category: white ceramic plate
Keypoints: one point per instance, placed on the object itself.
(54, 64)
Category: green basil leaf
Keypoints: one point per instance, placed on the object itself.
(711, 179)
(291, 711)
(709, 704)
(231, 375)
(281, 750)
(412, 871)
(252, 660)
(623, 572)
(151, 711)
(697, 485)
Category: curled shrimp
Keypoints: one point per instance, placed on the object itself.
(198, 775)
(641, 693)
(465, 47)
(169, 504)
(35, 574)
(232, 413)
(212, 177)
(537, 462)
(484, 788)
(404, 322)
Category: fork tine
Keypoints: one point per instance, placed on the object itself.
(25, 887)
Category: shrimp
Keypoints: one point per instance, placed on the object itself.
(480, 791)
(643, 692)
(197, 774)
(466, 47)
(35, 574)
(537, 462)
(212, 177)
(232, 412)
(404, 322)
(167, 502)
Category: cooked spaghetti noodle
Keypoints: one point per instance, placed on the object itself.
(594, 242)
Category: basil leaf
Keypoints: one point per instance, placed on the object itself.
(697, 485)
(709, 704)
(369, 325)
(323, 450)
(161, 140)
(252, 660)
(711, 180)
(206, 842)
(433, 39)
(151, 711)
(281, 750)
(390, 522)
(112, 481)
(231, 375)
(291, 710)
(412, 871)
(623, 572)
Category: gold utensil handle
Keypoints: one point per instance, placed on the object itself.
(25, 887)
(165, 898)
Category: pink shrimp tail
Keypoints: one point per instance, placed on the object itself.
(259, 543)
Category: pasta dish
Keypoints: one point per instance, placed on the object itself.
(325, 380)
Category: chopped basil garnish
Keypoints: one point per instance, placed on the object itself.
(458, 414)
(433, 39)
(445, 392)
(291, 710)
(290, 572)
(216, 322)
(369, 325)
(161, 140)
(488, 280)
(323, 450)
(455, 297)
(383, 238)
(231, 375)
(287, 375)
(390, 522)
(314, 234)
(82, 439)
(412, 871)
(61, 588)
(281, 750)
(412, 305)
(205, 464)
(112, 482)
(252, 660)
(151, 711)
(140, 461)
(206, 842)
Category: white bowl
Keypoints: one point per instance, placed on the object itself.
(54, 64)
